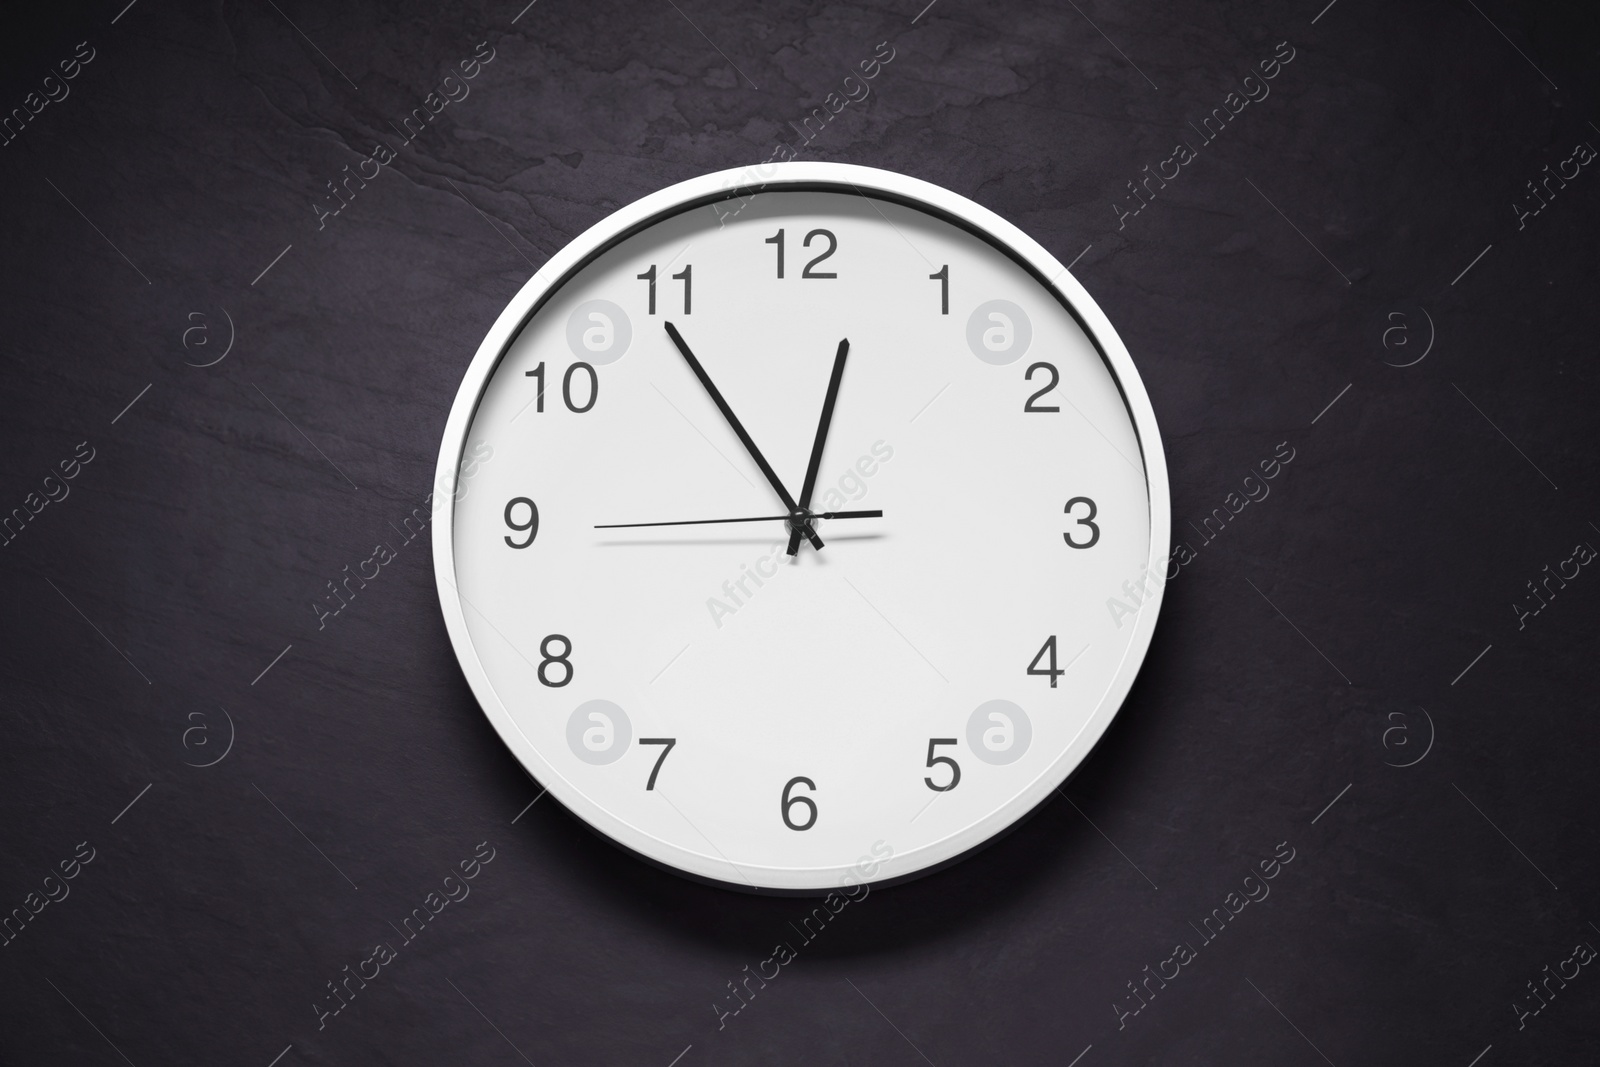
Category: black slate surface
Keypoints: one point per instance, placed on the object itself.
(1368, 606)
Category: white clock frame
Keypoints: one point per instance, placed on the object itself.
(803, 176)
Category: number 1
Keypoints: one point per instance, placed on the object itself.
(777, 239)
(538, 372)
(942, 276)
(650, 276)
(684, 275)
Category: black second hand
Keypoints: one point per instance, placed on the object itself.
(758, 518)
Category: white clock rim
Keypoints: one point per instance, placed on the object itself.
(789, 177)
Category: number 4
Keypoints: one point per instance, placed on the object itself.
(668, 742)
(1052, 672)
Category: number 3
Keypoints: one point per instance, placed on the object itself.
(1087, 520)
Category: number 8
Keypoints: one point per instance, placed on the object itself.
(549, 658)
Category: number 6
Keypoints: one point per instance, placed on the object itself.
(788, 802)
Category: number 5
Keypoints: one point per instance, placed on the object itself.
(955, 768)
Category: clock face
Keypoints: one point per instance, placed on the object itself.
(725, 697)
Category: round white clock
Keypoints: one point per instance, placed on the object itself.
(810, 526)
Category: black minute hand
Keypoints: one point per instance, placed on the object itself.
(817, 446)
(738, 428)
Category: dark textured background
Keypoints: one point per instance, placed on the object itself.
(188, 156)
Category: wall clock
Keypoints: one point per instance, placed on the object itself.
(808, 494)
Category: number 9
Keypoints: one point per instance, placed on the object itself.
(531, 526)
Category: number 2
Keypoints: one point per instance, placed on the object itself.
(833, 246)
(1055, 379)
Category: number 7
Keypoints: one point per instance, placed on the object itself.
(667, 741)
